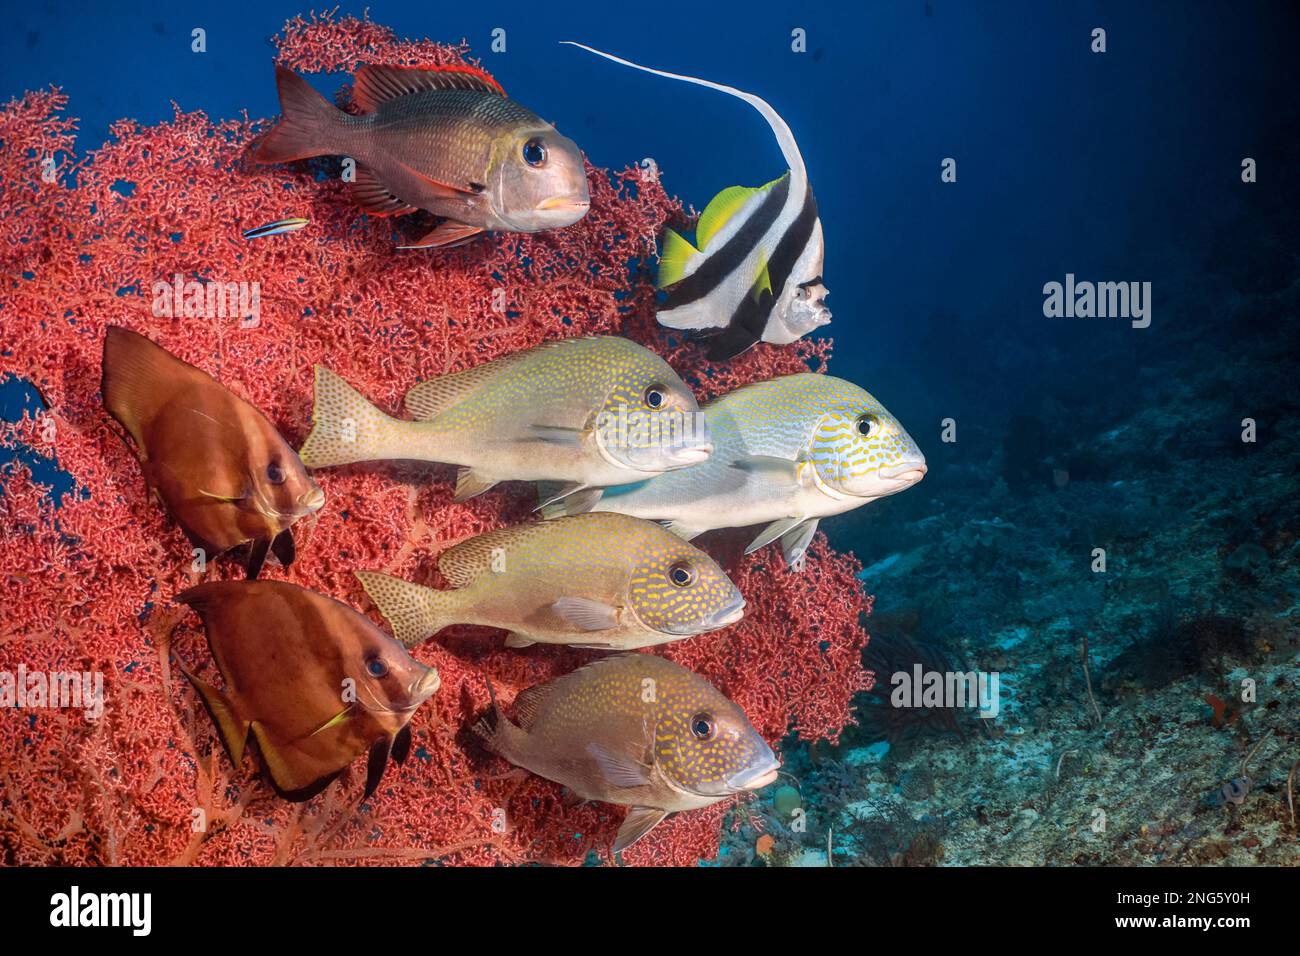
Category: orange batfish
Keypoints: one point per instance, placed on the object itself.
(216, 463)
(634, 729)
(314, 681)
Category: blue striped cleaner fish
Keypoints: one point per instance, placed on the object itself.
(754, 272)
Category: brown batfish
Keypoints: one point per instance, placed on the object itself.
(634, 729)
(314, 681)
(216, 462)
(443, 139)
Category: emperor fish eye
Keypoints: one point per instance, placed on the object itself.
(654, 396)
(681, 574)
(703, 727)
(274, 473)
(535, 152)
(377, 667)
(867, 425)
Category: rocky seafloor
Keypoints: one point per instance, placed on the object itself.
(1186, 750)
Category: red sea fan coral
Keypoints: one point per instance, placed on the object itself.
(88, 585)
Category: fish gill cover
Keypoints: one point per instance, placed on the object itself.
(88, 584)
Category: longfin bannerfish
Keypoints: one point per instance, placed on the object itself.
(313, 682)
(598, 580)
(217, 464)
(444, 139)
(754, 272)
(599, 733)
(573, 411)
(787, 452)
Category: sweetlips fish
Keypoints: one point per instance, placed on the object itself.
(315, 683)
(582, 412)
(754, 272)
(637, 730)
(216, 463)
(787, 452)
(596, 580)
(443, 139)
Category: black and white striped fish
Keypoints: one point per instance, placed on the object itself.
(754, 272)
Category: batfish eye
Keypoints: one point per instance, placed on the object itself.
(702, 726)
(377, 667)
(535, 152)
(654, 396)
(681, 574)
(274, 473)
(867, 425)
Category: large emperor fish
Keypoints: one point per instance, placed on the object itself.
(786, 453)
(755, 271)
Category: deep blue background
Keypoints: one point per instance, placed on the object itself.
(1116, 166)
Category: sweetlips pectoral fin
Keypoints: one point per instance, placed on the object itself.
(639, 822)
(794, 543)
(233, 730)
(776, 529)
(283, 548)
(379, 752)
(470, 484)
(257, 557)
(586, 614)
(768, 466)
(578, 498)
(515, 639)
(402, 744)
(556, 434)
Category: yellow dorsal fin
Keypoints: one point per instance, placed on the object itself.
(676, 252)
(723, 206)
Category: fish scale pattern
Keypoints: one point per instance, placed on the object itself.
(88, 585)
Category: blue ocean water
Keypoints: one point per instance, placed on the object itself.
(1071, 433)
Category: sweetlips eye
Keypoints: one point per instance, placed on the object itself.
(654, 396)
(703, 727)
(867, 425)
(681, 574)
(275, 474)
(534, 152)
(377, 667)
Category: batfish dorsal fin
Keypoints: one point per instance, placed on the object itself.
(374, 85)
(139, 379)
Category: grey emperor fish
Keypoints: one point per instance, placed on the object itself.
(443, 139)
(754, 272)
(787, 452)
(583, 412)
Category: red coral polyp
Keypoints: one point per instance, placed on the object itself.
(87, 586)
